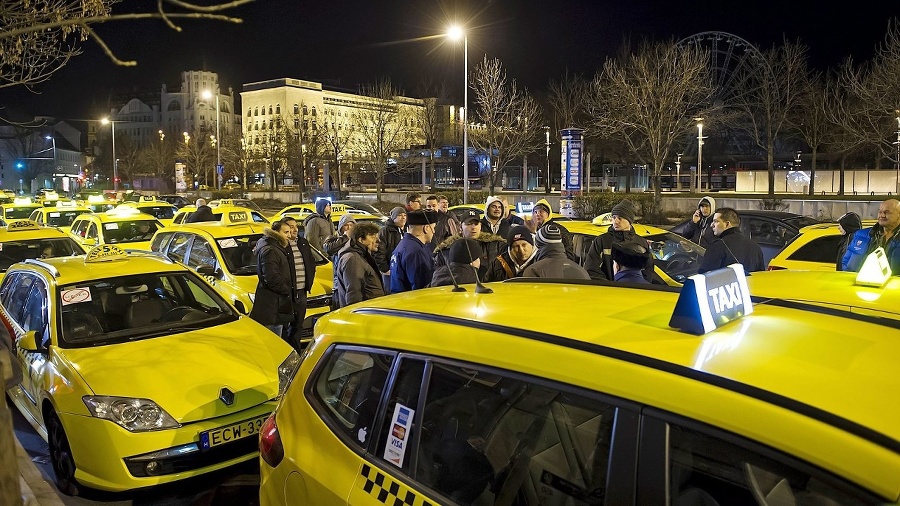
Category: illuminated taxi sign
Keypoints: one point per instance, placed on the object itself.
(875, 270)
(22, 201)
(524, 207)
(123, 210)
(20, 225)
(96, 198)
(235, 217)
(65, 203)
(338, 208)
(104, 253)
(226, 202)
(147, 198)
(708, 301)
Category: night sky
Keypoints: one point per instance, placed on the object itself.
(347, 43)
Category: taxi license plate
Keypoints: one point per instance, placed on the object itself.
(229, 433)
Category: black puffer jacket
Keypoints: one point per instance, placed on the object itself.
(274, 303)
(388, 239)
(598, 261)
(464, 274)
(357, 275)
(492, 246)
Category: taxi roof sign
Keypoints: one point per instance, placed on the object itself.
(226, 202)
(875, 270)
(708, 301)
(236, 217)
(105, 253)
(22, 201)
(19, 225)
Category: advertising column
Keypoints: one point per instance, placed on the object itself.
(570, 182)
(180, 183)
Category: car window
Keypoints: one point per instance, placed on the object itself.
(15, 306)
(129, 231)
(483, 436)
(238, 253)
(7, 288)
(79, 227)
(62, 218)
(160, 242)
(348, 389)
(36, 217)
(34, 315)
(179, 246)
(678, 257)
(769, 233)
(159, 212)
(822, 249)
(710, 470)
(201, 254)
(258, 218)
(91, 232)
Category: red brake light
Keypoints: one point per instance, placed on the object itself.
(270, 448)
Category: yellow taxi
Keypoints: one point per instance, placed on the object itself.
(98, 203)
(223, 253)
(159, 209)
(136, 371)
(48, 197)
(302, 211)
(19, 209)
(125, 226)
(61, 216)
(813, 249)
(24, 239)
(220, 212)
(675, 257)
(606, 395)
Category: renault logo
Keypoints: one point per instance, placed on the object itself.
(226, 396)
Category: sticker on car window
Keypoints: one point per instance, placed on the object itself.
(228, 243)
(111, 226)
(398, 435)
(75, 295)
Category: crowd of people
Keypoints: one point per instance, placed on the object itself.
(427, 246)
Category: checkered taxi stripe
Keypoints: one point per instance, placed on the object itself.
(388, 491)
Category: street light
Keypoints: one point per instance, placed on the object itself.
(897, 142)
(107, 121)
(455, 33)
(700, 138)
(207, 95)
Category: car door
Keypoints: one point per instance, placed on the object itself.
(25, 301)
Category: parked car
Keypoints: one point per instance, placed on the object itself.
(772, 230)
(176, 200)
(814, 248)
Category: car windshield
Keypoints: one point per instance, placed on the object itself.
(19, 251)
(678, 257)
(129, 231)
(238, 253)
(139, 306)
(62, 218)
(18, 213)
(159, 212)
(801, 221)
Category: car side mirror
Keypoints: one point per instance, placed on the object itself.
(207, 270)
(240, 307)
(28, 342)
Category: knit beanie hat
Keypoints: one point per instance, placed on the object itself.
(345, 219)
(519, 233)
(465, 251)
(397, 211)
(850, 222)
(624, 209)
(321, 204)
(548, 234)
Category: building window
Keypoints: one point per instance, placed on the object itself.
(314, 113)
(270, 109)
(305, 110)
(296, 109)
(256, 111)
(277, 108)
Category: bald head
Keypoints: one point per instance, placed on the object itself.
(889, 215)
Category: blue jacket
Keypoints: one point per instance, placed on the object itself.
(411, 265)
(865, 241)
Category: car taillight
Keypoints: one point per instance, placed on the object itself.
(775, 268)
(270, 448)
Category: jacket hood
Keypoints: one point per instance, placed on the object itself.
(712, 204)
(490, 200)
(550, 250)
(321, 204)
(274, 237)
(482, 237)
(545, 203)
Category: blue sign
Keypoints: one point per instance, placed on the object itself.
(708, 301)
(220, 169)
(572, 150)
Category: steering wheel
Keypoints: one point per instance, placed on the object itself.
(678, 262)
(177, 313)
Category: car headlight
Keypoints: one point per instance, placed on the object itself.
(136, 415)
(286, 371)
(252, 297)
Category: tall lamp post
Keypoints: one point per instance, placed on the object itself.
(455, 33)
(53, 140)
(207, 95)
(107, 121)
(897, 142)
(700, 154)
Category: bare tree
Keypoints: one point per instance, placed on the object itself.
(160, 159)
(810, 119)
(382, 128)
(197, 155)
(770, 93)
(511, 119)
(336, 135)
(430, 123)
(131, 161)
(26, 147)
(568, 99)
(649, 98)
(37, 38)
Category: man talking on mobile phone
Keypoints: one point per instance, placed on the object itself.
(699, 230)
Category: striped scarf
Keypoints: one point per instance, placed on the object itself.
(298, 267)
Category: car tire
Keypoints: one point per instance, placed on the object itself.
(61, 456)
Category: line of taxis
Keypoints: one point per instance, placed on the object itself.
(714, 390)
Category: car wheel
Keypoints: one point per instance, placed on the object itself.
(61, 456)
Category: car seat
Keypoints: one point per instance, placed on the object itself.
(144, 312)
(80, 326)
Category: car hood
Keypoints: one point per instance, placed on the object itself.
(185, 373)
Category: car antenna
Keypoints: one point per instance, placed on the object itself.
(456, 287)
(479, 288)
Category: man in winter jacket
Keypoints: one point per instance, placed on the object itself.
(318, 226)
(598, 261)
(358, 277)
(304, 274)
(698, 230)
(491, 245)
(519, 254)
(497, 219)
(411, 264)
(335, 244)
(731, 246)
(462, 266)
(884, 234)
(629, 259)
(551, 260)
(388, 239)
(540, 216)
(203, 213)
(446, 225)
(848, 224)
(273, 304)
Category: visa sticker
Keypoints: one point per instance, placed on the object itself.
(398, 434)
(75, 295)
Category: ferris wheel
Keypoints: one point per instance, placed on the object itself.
(729, 58)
